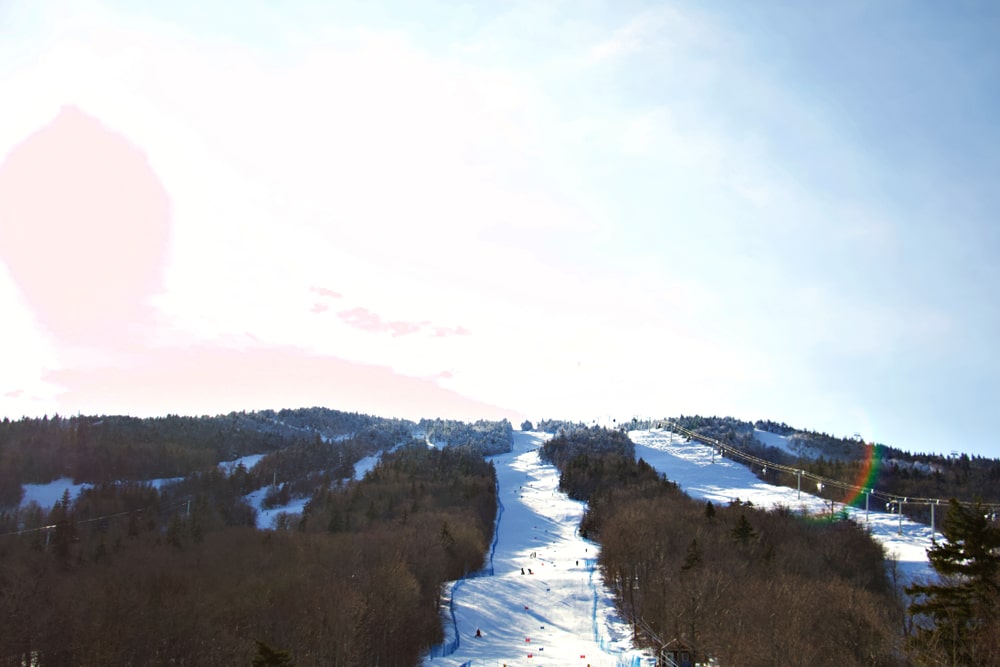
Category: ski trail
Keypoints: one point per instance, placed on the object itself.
(706, 477)
(558, 612)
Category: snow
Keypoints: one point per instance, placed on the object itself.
(248, 462)
(365, 465)
(690, 464)
(160, 483)
(774, 440)
(266, 517)
(336, 438)
(559, 612)
(46, 495)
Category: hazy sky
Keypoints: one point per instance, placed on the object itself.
(543, 209)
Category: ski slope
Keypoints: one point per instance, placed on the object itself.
(562, 614)
(558, 612)
(690, 465)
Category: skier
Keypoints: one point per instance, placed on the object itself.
(478, 633)
(522, 570)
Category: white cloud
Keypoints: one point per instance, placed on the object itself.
(664, 29)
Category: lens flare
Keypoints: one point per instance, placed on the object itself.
(866, 477)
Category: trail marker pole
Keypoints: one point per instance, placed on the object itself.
(933, 530)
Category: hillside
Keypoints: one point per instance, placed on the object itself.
(349, 487)
(141, 571)
(849, 463)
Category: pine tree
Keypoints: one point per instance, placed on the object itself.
(692, 558)
(968, 594)
(65, 534)
(269, 657)
(743, 533)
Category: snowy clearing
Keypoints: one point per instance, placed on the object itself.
(774, 440)
(266, 517)
(366, 465)
(246, 461)
(46, 495)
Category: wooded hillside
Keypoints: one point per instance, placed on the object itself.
(741, 585)
(355, 581)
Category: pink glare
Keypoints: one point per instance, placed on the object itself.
(84, 231)
(84, 227)
(203, 378)
(366, 320)
(326, 292)
(442, 332)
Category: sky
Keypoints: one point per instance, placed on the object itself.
(505, 209)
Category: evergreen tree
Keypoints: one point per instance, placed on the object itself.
(65, 534)
(967, 596)
(269, 657)
(692, 558)
(743, 533)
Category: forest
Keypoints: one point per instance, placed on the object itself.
(129, 572)
(110, 448)
(486, 437)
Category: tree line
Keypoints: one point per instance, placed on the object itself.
(486, 437)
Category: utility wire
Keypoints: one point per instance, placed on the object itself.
(38, 529)
(825, 481)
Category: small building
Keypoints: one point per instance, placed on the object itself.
(678, 653)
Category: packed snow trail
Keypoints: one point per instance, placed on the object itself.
(706, 477)
(558, 612)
